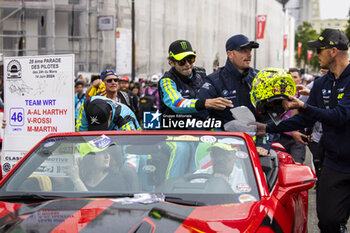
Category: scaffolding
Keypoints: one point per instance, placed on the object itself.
(43, 27)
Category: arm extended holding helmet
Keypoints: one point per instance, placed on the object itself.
(288, 104)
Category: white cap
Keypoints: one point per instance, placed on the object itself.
(154, 78)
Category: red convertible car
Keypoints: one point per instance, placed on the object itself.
(156, 181)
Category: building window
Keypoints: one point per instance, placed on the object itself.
(10, 41)
(337, 24)
(14, 41)
(74, 26)
(42, 33)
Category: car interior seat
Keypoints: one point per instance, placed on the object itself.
(270, 167)
(37, 183)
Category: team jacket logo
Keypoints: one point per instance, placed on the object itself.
(226, 92)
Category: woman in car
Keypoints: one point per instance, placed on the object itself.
(102, 171)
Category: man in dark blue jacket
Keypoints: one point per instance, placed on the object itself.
(232, 82)
(329, 103)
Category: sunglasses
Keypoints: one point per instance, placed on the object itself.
(112, 79)
(190, 60)
(319, 50)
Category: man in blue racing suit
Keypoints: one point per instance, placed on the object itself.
(101, 113)
(179, 86)
(177, 92)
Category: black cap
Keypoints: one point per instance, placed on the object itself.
(238, 42)
(97, 114)
(330, 38)
(180, 49)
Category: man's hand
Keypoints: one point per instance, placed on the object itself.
(292, 103)
(262, 151)
(218, 103)
(302, 90)
(96, 83)
(298, 137)
(260, 128)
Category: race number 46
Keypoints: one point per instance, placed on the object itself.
(16, 117)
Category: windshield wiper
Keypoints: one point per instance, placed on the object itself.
(29, 197)
(104, 195)
(178, 200)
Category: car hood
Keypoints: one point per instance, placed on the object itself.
(111, 215)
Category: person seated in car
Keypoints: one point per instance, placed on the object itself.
(224, 164)
(101, 170)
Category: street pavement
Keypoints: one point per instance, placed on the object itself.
(312, 215)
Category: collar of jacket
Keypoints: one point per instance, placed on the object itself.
(233, 70)
(183, 78)
(344, 74)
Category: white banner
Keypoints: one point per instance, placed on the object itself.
(123, 47)
(39, 99)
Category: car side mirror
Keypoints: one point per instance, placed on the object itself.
(294, 178)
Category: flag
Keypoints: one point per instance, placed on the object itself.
(299, 48)
(285, 41)
(309, 55)
(260, 29)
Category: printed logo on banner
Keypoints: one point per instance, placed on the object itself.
(151, 120)
(14, 70)
(14, 75)
(6, 167)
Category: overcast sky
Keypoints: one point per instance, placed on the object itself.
(330, 9)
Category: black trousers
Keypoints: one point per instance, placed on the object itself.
(317, 156)
(333, 200)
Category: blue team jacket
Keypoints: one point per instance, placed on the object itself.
(178, 93)
(227, 82)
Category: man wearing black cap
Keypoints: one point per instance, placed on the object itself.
(101, 113)
(329, 103)
(178, 86)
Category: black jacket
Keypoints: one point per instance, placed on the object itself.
(229, 83)
(130, 100)
(329, 103)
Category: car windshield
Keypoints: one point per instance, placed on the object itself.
(203, 168)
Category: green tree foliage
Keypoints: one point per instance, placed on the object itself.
(304, 33)
(347, 30)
